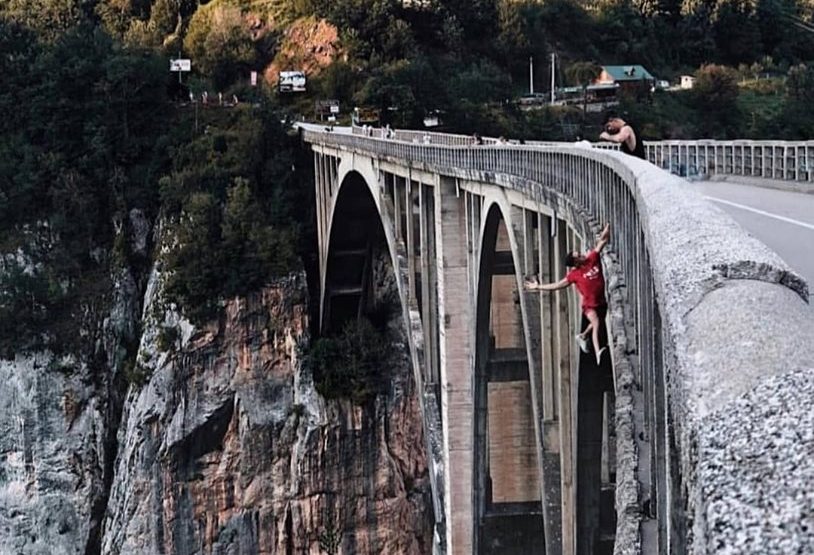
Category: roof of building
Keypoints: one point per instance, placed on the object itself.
(628, 73)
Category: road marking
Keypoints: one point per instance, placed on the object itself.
(761, 212)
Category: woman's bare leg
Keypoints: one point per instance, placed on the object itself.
(587, 330)
(593, 318)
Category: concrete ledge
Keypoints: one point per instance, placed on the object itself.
(742, 333)
(734, 316)
(752, 389)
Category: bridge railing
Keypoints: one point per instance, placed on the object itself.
(418, 137)
(601, 186)
(784, 160)
(675, 370)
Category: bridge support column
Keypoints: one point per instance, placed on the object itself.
(562, 333)
(455, 317)
(526, 228)
(552, 494)
(594, 383)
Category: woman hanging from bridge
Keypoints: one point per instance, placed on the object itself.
(587, 275)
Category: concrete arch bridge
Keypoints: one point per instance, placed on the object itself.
(532, 446)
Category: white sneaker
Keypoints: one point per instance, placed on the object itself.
(599, 355)
(583, 343)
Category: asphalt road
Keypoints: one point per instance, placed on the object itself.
(783, 220)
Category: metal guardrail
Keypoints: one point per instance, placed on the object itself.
(785, 160)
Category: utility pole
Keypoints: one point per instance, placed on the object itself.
(553, 56)
(531, 75)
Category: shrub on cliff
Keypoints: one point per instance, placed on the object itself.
(223, 250)
(349, 364)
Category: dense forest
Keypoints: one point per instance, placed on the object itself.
(95, 127)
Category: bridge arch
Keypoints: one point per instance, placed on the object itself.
(355, 234)
(508, 491)
(359, 222)
(508, 358)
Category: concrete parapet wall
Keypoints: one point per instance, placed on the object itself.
(735, 323)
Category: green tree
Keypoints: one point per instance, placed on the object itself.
(50, 19)
(716, 94)
(796, 119)
(194, 262)
(351, 364)
(624, 34)
(737, 35)
(583, 74)
(800, 83)
(512, 37)
(220, 42)
(371, 27)
(410, 86)
(253, 250)
(716, 86)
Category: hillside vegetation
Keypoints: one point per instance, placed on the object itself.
(95, 127)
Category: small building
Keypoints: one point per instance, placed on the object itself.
(687, 81)
(633, 78)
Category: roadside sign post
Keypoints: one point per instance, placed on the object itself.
(180, 65)
(326, 108)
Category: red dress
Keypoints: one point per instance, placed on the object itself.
(589, 281)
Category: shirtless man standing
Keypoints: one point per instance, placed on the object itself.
(619, 131)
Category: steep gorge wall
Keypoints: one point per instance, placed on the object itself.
(58, 422)
(226, 446)
(229, 449)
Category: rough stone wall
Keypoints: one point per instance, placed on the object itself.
(229, 449)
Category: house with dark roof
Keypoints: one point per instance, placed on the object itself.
(632, 78)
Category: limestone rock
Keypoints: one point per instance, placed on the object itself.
(229, 448)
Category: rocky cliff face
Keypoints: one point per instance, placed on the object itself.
(229, 449)
(222, 444)
(52, 451)
(58, 418)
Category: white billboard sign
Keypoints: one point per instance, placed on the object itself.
(181, 65)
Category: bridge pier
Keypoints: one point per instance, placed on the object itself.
(594, 488)
(562, 327)
(552, 476)
(456, 355)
